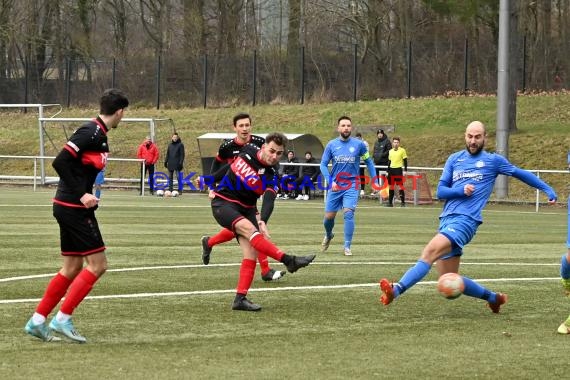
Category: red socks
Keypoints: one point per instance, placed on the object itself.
(265, 247)
(54, 293)
(263, 263)
(246, 272)
(80, 287)
(221, 237)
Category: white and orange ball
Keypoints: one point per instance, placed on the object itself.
(167, 194)
(450, 285)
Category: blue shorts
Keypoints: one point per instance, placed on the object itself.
(460, 230)
(568, 238)
(337, 200)
(100, 179)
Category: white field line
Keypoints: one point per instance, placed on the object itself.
(186, 266)
(285, 288)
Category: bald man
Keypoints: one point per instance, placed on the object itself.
(466, 185)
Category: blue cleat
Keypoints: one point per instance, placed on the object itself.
(40, 331)
(67, 329)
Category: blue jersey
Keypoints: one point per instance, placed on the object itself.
(345, 156)
(480, 170)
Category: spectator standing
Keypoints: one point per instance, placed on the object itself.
(74, 205)
(293, 173)
(148, 151)
(174, 161)
(308, 176)
(397, 170)
(382, 148)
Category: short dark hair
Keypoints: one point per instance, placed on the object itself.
(277, 138)
(112, 100)
(240, 116)
(396, 138)
(358, 134)
(343, 118)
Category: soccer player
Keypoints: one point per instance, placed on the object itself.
(251, 174)
(227, 153)
(466, 184)
(565, 269)
(99, 181)
(74, 205)
(345, 153)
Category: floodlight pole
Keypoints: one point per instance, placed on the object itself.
(502, 144)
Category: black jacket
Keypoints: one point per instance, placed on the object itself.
(381, 148)
(174, 159)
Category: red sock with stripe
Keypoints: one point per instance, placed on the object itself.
(80, 287)
(221, 237)
(54, 293)
(263, 263)
(264, 246)
(246, 272)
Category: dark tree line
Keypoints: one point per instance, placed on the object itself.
(43, 43)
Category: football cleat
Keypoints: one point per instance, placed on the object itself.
(272, 275)
(206, 250)
(387, 292)
(566, 285)
(299, 262)
(501, 300)
(40, 331)
(242, 303)
(326, 242)
(67, 329)
(564, 328)
(347, 252)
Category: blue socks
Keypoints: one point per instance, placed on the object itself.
(348, 228)
(411, 277)
(473, 289)
(98, 193)
(564, 268)
(329, 224)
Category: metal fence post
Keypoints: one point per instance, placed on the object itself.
(355, 71)
(524, 65)
(114, 74)
(409, 69)
(205, 85)
(302, 75)
(158, 70)
(68, 84)
(254, 80)
(465, 66)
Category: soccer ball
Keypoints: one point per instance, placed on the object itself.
(174, 193)
(450, 285)
(159, 193)
(167, 193)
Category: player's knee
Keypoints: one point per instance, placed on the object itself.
(349, 215)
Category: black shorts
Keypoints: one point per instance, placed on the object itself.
(78, 230)
(227, 213)
(396, 177)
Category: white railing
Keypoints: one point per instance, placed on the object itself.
(43, 179)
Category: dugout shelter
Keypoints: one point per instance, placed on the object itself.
(209, 143)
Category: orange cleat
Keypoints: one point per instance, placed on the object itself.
(387, 292)
(501, 300)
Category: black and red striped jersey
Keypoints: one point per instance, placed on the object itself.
(82, 157)
(230, 149)
(247, 178)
